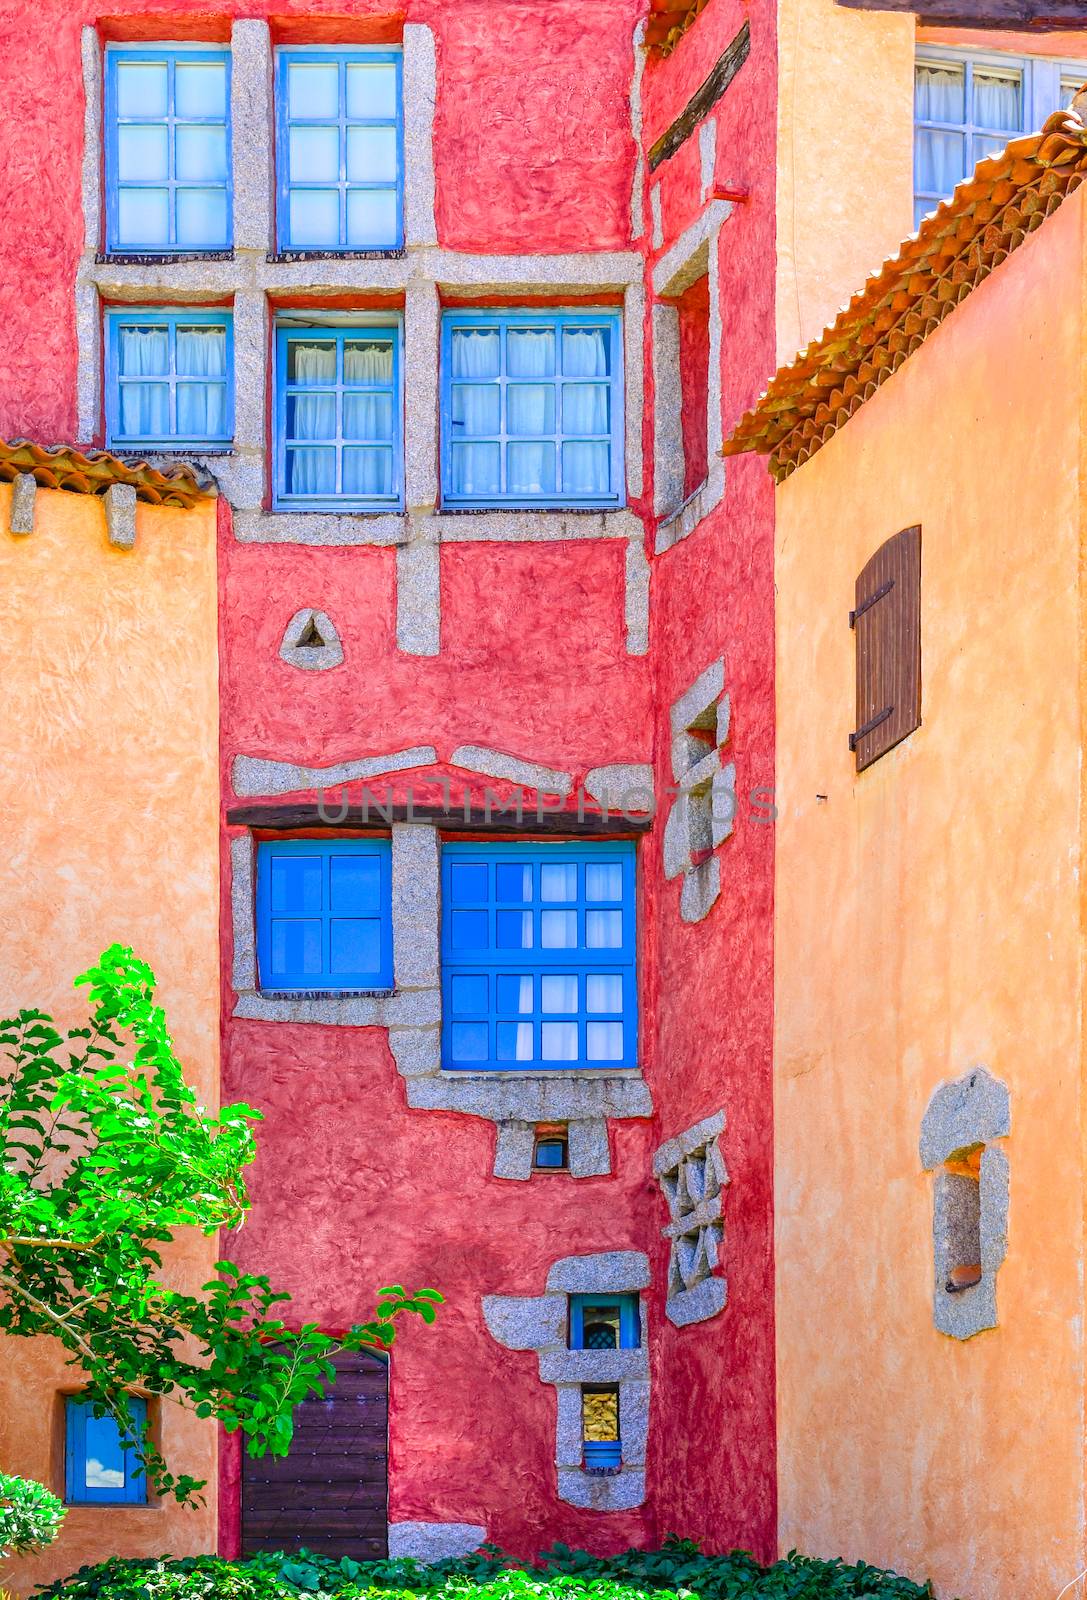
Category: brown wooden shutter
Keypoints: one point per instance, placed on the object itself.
(330, 1493)
(887, 624)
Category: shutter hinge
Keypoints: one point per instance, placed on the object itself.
(869, 727)
(884, 588)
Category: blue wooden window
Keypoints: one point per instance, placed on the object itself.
(601, 1445)
(98, 1469)
(532, 408)
(604, 1322)
(169, 378)
(167, 149)
(339, 412)
(969, 105)
(324, 914)
(538, 956)
(340, 155)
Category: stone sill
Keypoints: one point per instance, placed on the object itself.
(325, 994)
(289, 257)
(543, 1074)
(151, 258)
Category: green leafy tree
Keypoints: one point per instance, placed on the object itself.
(106, 1156)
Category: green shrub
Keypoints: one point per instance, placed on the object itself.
(29, 1515)
(678, 1571)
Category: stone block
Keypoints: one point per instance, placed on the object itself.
(416, 904)
(624, 786)
(621, 1492)
(515, 1144)
(589, 1151)
(970, 1111)
(24, 492)
(606, 1272)
(418, 599)
(434, 1541)
(526, 1323)
(697, 1304)
(120, 501)
(701, 887)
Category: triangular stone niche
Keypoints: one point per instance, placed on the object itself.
(311, 641)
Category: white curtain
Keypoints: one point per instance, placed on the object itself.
(368, 416)
(997, 102)
(530, 409)
(201, 407)
(523, 1045)
(559, 1041)
(586, 466)
(314, 417)
(145, 407)
(475, 467)
(939, 158)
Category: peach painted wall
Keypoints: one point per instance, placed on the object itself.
(109, 794)
(929, 918)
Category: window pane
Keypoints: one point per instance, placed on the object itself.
(558, 992)
(368, 472)
(476, 470)
(514, 930)
(604, 1041)
(145, 411)
(143, 218)
(313, 89)
(367, 416)
(311, 471)
(468, 1041)
(530, 352)
(600, 1327)
(604, 992)
(586, 468)
(296, 946)
(558, 930)
(513, 882)
(600, 1415)
(940, 94)
(200, 89)
(354, 882)
(143, 352)
(469, 994)
(141, 88)
(315, 218)
(604, 930)
(314, 155)
(371, 90)
(201, 218)
(355, 944)
(470, 930)
(514, 995)
(476, 352)
(105, 1459)
(371, 155)
(998, 100)
(142, 152)
(311, 361)
(939, 160)
(201, 352)
(585, 408)
(297, 883)
(372, 219)
(558, 1041)
(987, 144)
(530, 468)
(201, 153)
(515, 1041)
(369, 361)
(558, 880)
(311, 416)
(475, 408)
(530, 408)
(201, 410)
(585, 352)
(468, 882)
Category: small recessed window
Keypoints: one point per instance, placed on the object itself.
(99, 1468)
(551, 1153)
(601, 1445)
(962, 1177)
(604, 1322)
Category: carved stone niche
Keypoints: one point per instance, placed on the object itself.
(691, 1171)
(311, 642)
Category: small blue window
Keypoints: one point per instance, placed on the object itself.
(324, 914)
(338, 418)
(532, 408)
(167, 150)
(341, 157)
(169, 379)
(604, 1322)
(98, 1468)
(538, 956)
(602, 1449)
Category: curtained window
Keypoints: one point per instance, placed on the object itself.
(167, 150)
(532, 408)
(338, 409)
(339, 157)
(169, 379)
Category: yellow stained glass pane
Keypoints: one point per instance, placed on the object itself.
(600, 1415)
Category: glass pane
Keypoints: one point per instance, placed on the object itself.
(313, 89)
(603, 880)
(368, 473)
(475, 408)
(514, 882)
(467, 882)
(600, 1327)
(940, 94)
(311, 471)
(145, 411)
(604, 930)
(938, 160)
(311, 416)
(530, 468)
(371, 155)
(530, 352)
(201, 352)
(514, 929)
(141, 88)
(515, 1041)
(314, 155)
(600, 1415)
(105, 1458)
(201, 410)
(476, 352)
(987, 144)
(586, 352)
(558, 880)
(143, 352)
(468, 1041)
(200, 89)
(604, 1041)
(586, 468)
(558, 1041)
(514, 995)
(368, 361)
(550, 1153)
(469, 930)
(1070, 87)
(558, 930)
(373, 219)
(143, 218)
(585, 408)
(476, 470)
(311, 361)
(355, 944)
(558, 992)
(998, 100)
(371, 90)
(201, 218)
(315, 219)
(530, 408)
(296, 946)
(368, 416)
(200, 153)
(354, 883)
(142, 152)
(468, 994)
(921, 209)
(604, 992)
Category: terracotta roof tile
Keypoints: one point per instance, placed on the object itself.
(64, 467)
(1006, 198)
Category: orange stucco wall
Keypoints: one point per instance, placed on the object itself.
(929, 918)
(109, 795)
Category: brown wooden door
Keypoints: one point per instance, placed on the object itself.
(330, 1493)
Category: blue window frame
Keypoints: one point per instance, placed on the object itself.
(98, 1469)
(339, 418)
(324, 914)
(538, 956)
(604, 1322)
(167, 141)
(532, 408)
(340, 157)
(169, 378)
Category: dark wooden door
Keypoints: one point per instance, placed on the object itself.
(330, 1493)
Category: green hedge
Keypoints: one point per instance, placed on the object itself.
(679, 1570)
